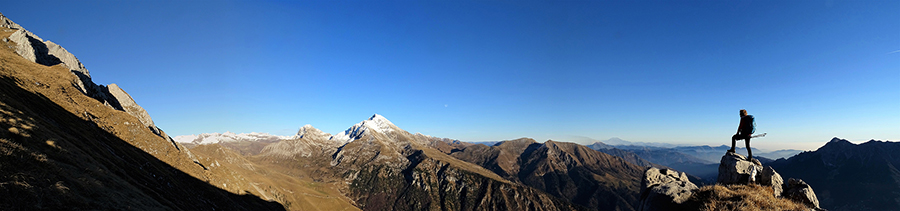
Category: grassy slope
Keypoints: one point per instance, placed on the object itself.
(739, 198)
(60, 149)
(288, 185)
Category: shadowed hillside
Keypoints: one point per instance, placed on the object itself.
(850, 176)
(566, 170)
(63, 150)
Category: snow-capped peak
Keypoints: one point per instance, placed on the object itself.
(212, 138)
(379, 123)
(376, 123)
(308, 131)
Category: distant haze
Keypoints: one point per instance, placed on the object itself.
(655, 72)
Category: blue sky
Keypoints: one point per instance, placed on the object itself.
(649, 71)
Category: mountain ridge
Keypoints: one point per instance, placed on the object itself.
(64, 149)
(849, 176)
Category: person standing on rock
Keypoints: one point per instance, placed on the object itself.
(744, 131)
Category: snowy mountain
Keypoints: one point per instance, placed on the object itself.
(214, 138)
(376, 123)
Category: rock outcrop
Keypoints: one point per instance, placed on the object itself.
(31, 47)
(665, 189)
(65, 150)
(35, 49)
(128, 105)
(769, 178)
(736, 169)
(799, 191)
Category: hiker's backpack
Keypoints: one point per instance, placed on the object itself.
(752, 120)
(751, 124)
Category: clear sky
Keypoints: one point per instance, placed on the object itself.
(649, 71)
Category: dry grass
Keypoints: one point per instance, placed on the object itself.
(289, 185)
(63, 150)
(740, 198)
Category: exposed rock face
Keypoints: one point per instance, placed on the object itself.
(768, 177)
(736, 169)
(64, 150)
(798, 190)
(664, 189)
(436, 184)
(35, 49)
(128, 105)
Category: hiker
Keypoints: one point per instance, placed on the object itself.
(744, 131)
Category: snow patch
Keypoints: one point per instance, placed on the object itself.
(376, 123)
(213, 138)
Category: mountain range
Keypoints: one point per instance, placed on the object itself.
(849, 176)
(67, 143)
(700, 162)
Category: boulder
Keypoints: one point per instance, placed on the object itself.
(665, 189)
(736, 169)
(798, 190)
(768, 177)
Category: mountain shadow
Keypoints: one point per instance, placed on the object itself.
(848, 176)
(73, 156)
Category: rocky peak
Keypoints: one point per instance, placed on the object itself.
(836, 144)
(308, 131)
(43, 52)
(376, 124)
(5, 22)
(379, 123)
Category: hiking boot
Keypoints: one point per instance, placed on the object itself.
(731, 150)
